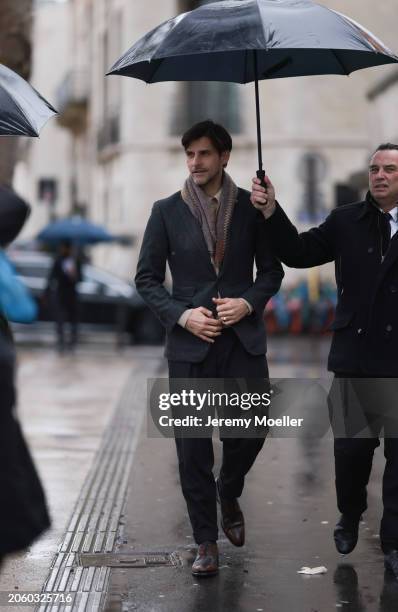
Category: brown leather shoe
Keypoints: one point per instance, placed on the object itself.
(206, 562)
(232, 520)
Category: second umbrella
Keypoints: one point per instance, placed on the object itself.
(76, 230)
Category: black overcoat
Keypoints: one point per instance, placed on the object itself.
(365, 339)
(23, 509)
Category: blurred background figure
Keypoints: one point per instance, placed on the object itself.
(23, 511)
(16, 303)
(62, 291)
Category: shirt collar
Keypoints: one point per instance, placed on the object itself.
(218, 195)
(394, 214)
(370, 205)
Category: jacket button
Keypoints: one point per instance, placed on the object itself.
(393, 289)
(359, 331)
(370, 250)
(388, 328)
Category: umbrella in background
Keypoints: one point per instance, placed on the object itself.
(23, 111)
(76, 230)
(242, 41)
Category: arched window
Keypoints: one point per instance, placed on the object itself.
(199, 100)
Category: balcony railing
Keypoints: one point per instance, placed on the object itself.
(72, 100)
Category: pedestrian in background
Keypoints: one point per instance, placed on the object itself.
(62, 285)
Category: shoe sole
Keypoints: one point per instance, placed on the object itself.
(205, 574)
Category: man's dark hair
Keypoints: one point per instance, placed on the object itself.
(386, 146)
(217, 134)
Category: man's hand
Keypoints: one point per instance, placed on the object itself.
(202, 324)
(230, 310)
(263, 200)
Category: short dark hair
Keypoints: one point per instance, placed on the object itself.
(217, 134)
(386, 146)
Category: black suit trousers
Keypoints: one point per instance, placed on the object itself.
(226, 359)
(368, 407)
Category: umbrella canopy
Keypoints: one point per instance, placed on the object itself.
(242, 41)
(13, 213)
(76, 230)
(23, 111)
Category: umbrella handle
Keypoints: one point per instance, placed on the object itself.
(261, 175)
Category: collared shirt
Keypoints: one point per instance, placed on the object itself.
(393, 220)
(217, 197)
(393, 212)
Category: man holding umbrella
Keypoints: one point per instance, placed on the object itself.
(210, 236)
(361, 238)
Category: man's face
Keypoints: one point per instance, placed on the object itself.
(383, 177)
(205, 163)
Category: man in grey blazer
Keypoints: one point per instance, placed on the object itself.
(210, 236)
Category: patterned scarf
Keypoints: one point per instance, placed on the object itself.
(215, 230)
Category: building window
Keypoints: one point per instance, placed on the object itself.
(312, 171)
(109, 131)
(200, 100)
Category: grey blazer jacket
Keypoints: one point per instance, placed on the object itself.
(174, 236)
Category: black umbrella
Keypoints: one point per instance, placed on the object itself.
(242, 41)
(23, 111)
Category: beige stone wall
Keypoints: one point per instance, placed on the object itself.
(50, 155)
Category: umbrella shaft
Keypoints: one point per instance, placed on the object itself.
(260, 157)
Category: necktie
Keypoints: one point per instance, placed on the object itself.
(385, 227)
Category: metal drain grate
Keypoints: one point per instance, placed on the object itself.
(137, 559)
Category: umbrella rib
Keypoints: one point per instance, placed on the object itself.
(262, 25)
(340, 62)
(154, 71)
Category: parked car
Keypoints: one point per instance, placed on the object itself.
(104, 298)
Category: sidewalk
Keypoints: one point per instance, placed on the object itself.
(290, 510)
(115, 492)
(65, 405)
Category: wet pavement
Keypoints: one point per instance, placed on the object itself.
(290, 511)
(65, 405)
(92, 448)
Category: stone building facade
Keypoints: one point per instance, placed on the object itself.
(124, 147)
